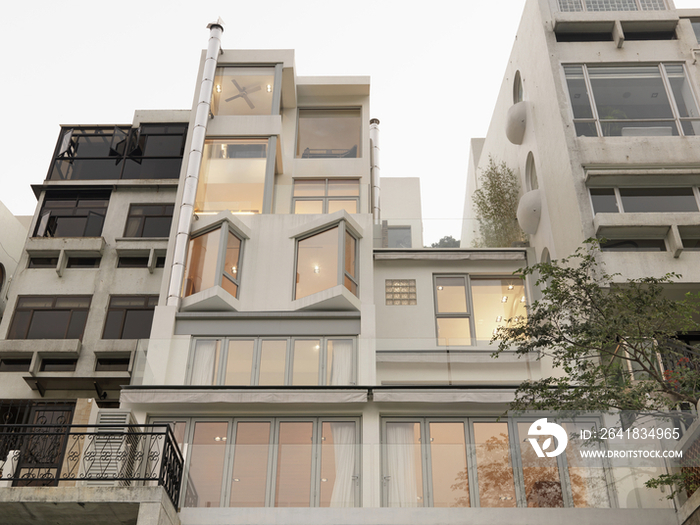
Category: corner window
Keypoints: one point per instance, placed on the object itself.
(233, 176)
(72, 214)
(273, 362)
(644, 200)
(149, 220)
(129, 317)
(213, 259)
(329, 134)
(325, 260)
(244, 91)
(632, 100)
(326, 195)
(469, 310)
(46, 317)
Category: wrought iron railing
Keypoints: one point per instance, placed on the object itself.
(117, 455)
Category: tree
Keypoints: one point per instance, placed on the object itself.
(496, 203)
(446, 242)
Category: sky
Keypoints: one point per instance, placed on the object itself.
(435, 67)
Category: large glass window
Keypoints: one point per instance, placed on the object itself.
(213, 259)
(47, 317)
(632, 100)
(273, 361)
(232, 176)
(244, 91)
(72, 214)
(644, 200)
(275, 462)
(469, 310)
(129, 317)
(326, 195)
(318, 257)
(151, 151)
(329, 133)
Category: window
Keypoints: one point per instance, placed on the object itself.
(326, 195)
(244, 91)
(43, 262)
(213, 259)
(318, 258)
(138, 262)
(58, 365)
(46, 317)
(234, 175)
(273, 462)
(329, 133)
(273, 361)
(151, 151)
(644, 200)
(2, 276)
(611, 5)
(400, 292)
(531, 182)
(495, 302)
(633, 245)
(399, 237)
(17, 364)
(72, 214)
(83, 262)
(517, 88)
(442, 462)
(112, 364)
(149, 220)
(129, 317)
(635, 100)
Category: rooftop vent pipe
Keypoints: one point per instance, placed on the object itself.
(194, 162)
(374, 168)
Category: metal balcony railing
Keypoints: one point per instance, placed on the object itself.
(98, 455)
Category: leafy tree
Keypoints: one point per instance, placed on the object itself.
(496, 203)
(446, 242)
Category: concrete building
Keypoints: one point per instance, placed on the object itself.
(265, 333)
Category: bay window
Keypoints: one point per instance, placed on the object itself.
(213, 259)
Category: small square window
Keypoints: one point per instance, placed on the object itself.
(400, 292)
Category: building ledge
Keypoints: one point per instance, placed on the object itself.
(72, 245)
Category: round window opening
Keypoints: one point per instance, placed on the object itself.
(517, 88)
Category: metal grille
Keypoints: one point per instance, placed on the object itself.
(570, 5)
(611, 5)
(400, 292)
(652, 5)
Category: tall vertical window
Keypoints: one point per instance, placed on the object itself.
(72, 214)
(326, 195)
(213, 259)
(233, 176)
(329, 133)
(244, 91)
(632, 100)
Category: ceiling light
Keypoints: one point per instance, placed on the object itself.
(234, 269)
(499, 318)
(218, 88)
(439, 287)
(522, 299)
(236, 479)
(317, 269)
(510, 286)
(505, 299)
(269, 88)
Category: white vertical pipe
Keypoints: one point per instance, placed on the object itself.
(374, 168)
(194, 162)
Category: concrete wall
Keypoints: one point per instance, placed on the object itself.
(12, 236)
(401, 205)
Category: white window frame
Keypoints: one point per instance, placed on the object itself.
(326, 198)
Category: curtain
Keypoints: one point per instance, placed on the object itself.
(340, 358)
(401, 467)
(204, 363)
(343, 494)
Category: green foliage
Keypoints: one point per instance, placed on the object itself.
(446, 242)
(684, 481)
(605, 339)
(496, 203)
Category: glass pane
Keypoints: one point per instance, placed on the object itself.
(232, 255)
(20, 324)
(634, 245)
(611, 5)
(308, 207)
(293, 484)
(232, 176)
(404, 471)
(49, 324)
(578, 94)
(205, 362)
(156, 226)
(453, 331)
(604, 200)
(339, 362)
(329, 133)
(137, 324)
(451, 295)
(348, 206)
(400, 237)
(206, 464)
(239, 364)
(682, 92)
(343, 188)
(229, 286)
(249, 481)
(493, 465)
(72, 302)
(272, 362)
(495, 302)
(201, 263)
(448, 462)
(310, 188)
(76, 327)
(541, 475)
(588, 485)
(585, 129)
(338, 449)
(350, 255)
(70, 226)
(306, 361)
(658, 200)
(350, 285)
(243, 91)
(317, 263)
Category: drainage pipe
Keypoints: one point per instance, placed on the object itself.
(374, 168)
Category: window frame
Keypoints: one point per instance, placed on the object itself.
(147, 299)
(42, 226)
(142, 224)
(53, 298)
(220, 365)
(619, 203)
(276, 69)
(676, 119)
(325, 198)
(300, 155)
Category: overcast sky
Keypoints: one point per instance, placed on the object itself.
(435, 67)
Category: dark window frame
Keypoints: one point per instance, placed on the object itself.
(143, 218)
(19, 310)
(149, 302)
(52, 212)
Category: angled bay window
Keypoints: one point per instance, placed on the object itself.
(632, 100)
(325, 260)
(49, 317)
(213, 259)
(273, 361)
(72, 214)
(246, 91)
(329, 133)
(326, 195)
(237, 175)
